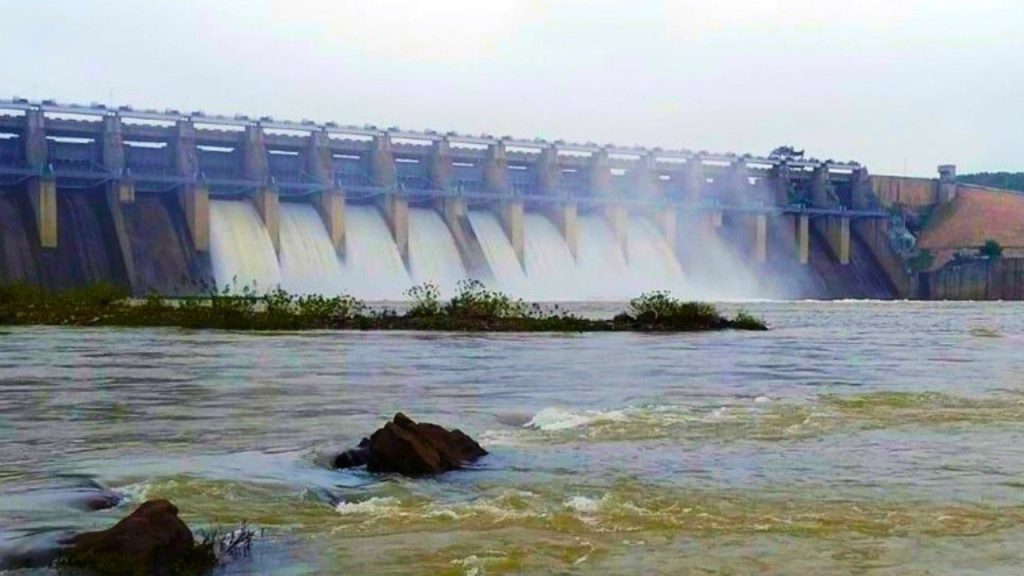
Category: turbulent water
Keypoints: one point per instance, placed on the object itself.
(433, 255)
(240, 248)
(309, 264)
(372, 268)
(868, 438)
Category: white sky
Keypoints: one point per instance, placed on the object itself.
(901, 85)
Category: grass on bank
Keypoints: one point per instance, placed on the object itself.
(473, 308)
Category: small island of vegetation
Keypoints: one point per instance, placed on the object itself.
(473, 309)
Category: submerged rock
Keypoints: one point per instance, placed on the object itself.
(413, 449)
(151, 541)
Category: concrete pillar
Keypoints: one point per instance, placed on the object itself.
(666, 218)
(396, 212)
(36, 149)
(114, 200)
(803, 238)
(42, 190)
(739, 188)
(714, 218)
(860, 189)
(617, 216)
(496, 170)
(760, 238)
(383, 173)
(330, 201)
(599, 175)
(255, 165)
(454, 213)
(195, 204)
(780, 183)
(268, 207)
(947, 183)
(440, 167)
(113, 159)
(694, 180)
(549, 175)
(330, 204)
(643, 178)
(512, 218)
(194, 197)
(566, 218)
(838, 234)
(42, 193)
(823, 194)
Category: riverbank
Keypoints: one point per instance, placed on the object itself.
(473, 309)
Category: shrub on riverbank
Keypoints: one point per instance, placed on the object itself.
(473, 309)
(658, 311)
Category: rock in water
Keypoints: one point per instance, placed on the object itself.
(412, 449)
(151, 541)
(357, 456)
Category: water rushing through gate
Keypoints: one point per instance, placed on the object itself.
(371, 266)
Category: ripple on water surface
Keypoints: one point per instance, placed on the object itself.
(854, 437)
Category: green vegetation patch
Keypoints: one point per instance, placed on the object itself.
(473, 308)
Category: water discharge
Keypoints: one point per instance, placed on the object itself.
(501, 256)
(549, 264)
(601, 261)
(241, 251)
(433, 255)
(373, 268)
(309, 264)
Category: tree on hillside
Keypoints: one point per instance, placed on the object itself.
(991, 249)
(787, 152)
(1005, 180)
(922, 261)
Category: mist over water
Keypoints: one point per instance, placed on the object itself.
(549, 264)
(652, 263)
(710, 266)
(505, 267)
(601, 260)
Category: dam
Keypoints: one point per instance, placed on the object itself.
(182, 203)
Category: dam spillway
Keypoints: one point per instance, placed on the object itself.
(182, 203)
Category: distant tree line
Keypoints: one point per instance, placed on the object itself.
(1007, 180)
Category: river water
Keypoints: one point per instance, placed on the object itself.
(854, 437)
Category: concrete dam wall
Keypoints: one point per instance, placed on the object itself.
(176, 204)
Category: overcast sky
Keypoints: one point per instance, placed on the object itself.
(901, 85)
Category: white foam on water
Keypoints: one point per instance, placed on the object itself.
(508, 273)
(553, 419)
(241, 251)
(372, 267)
(601, 261)
(372, 506)
(309, 264)
(652, 262)
(550, 266)
(433, 255)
